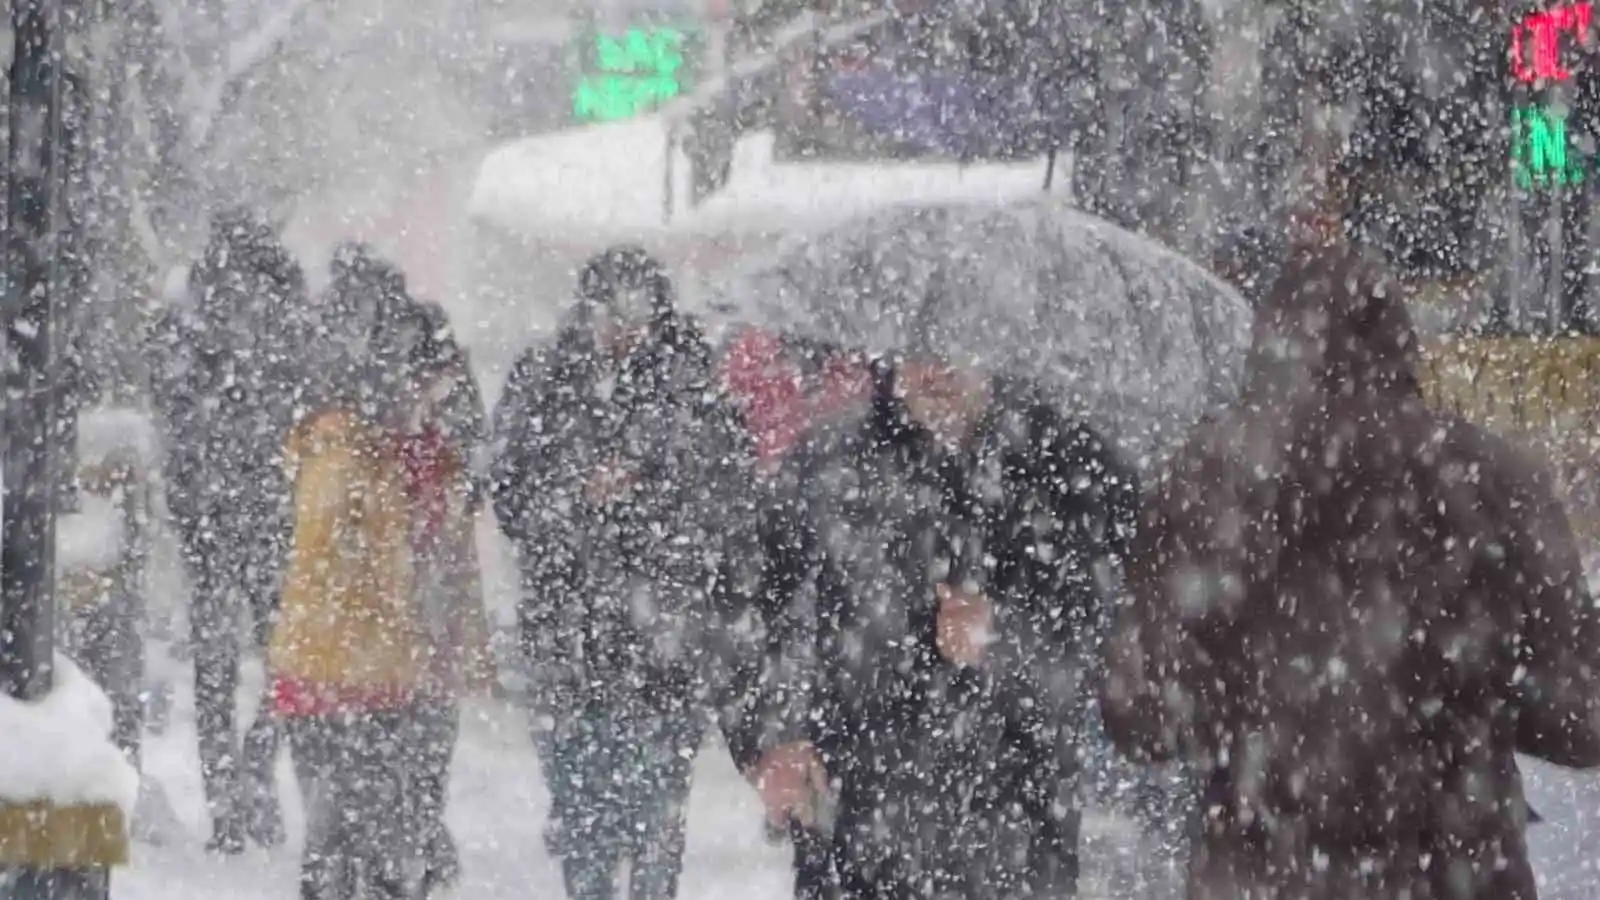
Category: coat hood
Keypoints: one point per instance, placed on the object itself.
(1332, 325)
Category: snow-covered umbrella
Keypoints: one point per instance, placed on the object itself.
(1117, 328)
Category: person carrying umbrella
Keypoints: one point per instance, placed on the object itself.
(940, 563)
(616, 482)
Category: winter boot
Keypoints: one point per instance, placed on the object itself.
(260, 809)
(262, 815)
(444, 865)
(227, 835)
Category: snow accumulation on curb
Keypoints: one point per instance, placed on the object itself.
(59, 748)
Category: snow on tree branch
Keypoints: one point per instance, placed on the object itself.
(243, 54)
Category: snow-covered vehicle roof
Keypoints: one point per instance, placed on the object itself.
(641, 180)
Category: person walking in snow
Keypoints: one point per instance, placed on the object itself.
(351, 654)
(616, 481)
(365, 295)
(227, 383)
(434, 443)
(459, 411)
(784, 387)
(933, 578)
(1347, 613)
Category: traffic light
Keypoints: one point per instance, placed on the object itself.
(1539, 146)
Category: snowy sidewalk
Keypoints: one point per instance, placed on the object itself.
(498, 808)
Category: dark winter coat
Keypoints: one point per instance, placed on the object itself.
(950, 779)
(617, 594)
(461, 410)
(1347, 612)
(228, 377)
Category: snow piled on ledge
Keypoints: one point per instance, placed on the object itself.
(59, 749)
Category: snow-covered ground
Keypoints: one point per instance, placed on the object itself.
(498, 809)
(499, 805)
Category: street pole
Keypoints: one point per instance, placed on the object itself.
(30, 488)
(27, 535)
(27, 522)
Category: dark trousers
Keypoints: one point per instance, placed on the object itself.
(908, 833)
(220, 562)
(361, 826)
(961, 874)
(815, 876)
(439, 722)
(104, 639)
(619, 778)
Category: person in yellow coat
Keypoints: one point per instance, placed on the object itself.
(348, 654)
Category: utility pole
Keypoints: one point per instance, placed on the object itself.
(27, 535)
(30, 486)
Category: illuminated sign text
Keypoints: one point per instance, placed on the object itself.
(629, 75)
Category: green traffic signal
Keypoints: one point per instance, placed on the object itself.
(1539, 149)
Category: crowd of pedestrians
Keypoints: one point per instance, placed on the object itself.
(885, 578)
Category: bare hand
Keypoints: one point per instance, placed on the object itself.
(788, 778)
(965, 621)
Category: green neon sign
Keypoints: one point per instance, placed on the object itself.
(1539, 149)
(629, 75)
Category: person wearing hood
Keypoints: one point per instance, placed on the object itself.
(1347, 613)
(226, 385)
(365, 295)
(435, 439)
(458, 411)
(372, 312)
(617, 480)
(938, 566)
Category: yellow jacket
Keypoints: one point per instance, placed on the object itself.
(346, 619)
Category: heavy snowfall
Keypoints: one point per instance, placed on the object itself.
(840, 449)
